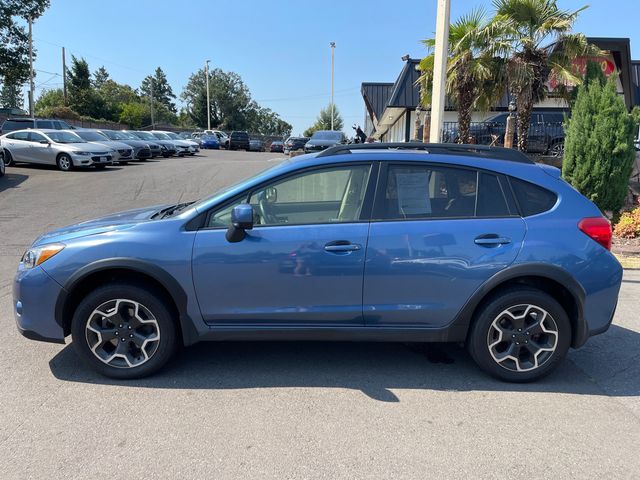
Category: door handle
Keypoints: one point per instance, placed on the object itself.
(341, 246)
(491, 240)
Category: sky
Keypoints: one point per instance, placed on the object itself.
(280, 48)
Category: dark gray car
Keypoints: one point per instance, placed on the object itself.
(141, 150)
(323, 139)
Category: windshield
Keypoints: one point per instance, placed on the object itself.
(325, 135)
(173, 135)
(65, 137)
(92, 136)
(145, 135)
(249, 179)
(161, 136)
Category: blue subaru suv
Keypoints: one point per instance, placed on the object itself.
(379, 242)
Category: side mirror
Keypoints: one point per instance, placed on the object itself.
(241, 220)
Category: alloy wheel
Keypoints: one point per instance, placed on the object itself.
(557, 150)
(122, 333)
(64, 162)
(522, 338)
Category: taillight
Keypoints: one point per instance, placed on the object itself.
(598, 228)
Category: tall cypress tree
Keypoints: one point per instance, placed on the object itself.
(599, 151)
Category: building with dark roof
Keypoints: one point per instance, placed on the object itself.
(391, 107)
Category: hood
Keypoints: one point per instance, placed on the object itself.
(83, 147)
(134, 143)
(109, 223)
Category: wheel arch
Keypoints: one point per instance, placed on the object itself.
(132, 270)
(552, 280)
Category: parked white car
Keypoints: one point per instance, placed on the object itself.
(54, 147)
(191, 146)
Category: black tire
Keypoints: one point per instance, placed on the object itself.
(2, 167)
(8, 159)
(482, 335)
(64, 162)
(149, 300)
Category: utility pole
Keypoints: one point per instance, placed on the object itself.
(31, 85)
(206, 68)
(153, 123)
(440, 70)
(333, 48)
(64, 76)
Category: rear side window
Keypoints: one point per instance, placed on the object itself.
(19, 136)
(429, 192)
(491, 199)
(16, 125)
(531, 198)
(45, 124)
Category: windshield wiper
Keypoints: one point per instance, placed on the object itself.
(168, 211)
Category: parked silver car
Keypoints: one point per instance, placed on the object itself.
(123, 152)
(192, 145)
(158, 147)
(54, 147)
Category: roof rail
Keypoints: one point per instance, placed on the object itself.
(499, 153)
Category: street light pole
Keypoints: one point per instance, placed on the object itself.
(439, 70)
(31, 86)
(333, 48)
(206, 67)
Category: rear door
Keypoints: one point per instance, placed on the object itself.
(437, 234)
(17, 143)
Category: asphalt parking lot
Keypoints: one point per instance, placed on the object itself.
(291, 410)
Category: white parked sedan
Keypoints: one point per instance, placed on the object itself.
(54, 147)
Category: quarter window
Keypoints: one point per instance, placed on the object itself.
(532, 198)
(19, 136)
(429, 192)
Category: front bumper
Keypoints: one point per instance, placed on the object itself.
(35, 295)
(90, 160)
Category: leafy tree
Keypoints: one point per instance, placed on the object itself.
(14, 40)
(472, 71)
(520, 32)
(83, 98)
(115, 95)
(599, 151)
(162, 91)
(323, 122)
(100, 76)
(11, 95)
(49, 99)
(135, 114)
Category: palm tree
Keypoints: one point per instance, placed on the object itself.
(518, 32)
(471, 69)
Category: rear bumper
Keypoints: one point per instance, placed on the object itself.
(34, 300)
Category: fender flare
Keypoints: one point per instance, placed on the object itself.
(164, 278)
(580, 332)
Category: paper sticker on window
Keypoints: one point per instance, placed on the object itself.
(413, 193)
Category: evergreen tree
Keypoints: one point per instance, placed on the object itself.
(83, 98)
(162, 91)
(599, 149)
(323, 122)
(100, 76)
(11, 95)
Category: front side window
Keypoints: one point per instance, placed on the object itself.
(36, 137)
(428, 192)
(331, 195)
(19, 136)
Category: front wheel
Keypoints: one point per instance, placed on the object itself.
(520, 335)
(7, 158)
(124, 331)
(64, 162)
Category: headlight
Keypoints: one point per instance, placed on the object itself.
(37, 255)
(82, 153)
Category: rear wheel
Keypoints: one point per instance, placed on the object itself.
(520, 335)
(64, 162)
(124, 331)
(2, 168)
(8, 159)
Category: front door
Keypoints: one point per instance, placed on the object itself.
(438, 233)
(41, 152)
(302, 263)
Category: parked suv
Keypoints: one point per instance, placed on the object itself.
(239, 140)
(472, 244)
(323, 139)
(546, 132)
(13, 124)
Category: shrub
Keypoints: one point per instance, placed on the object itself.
(629, 225)
(599, 149)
